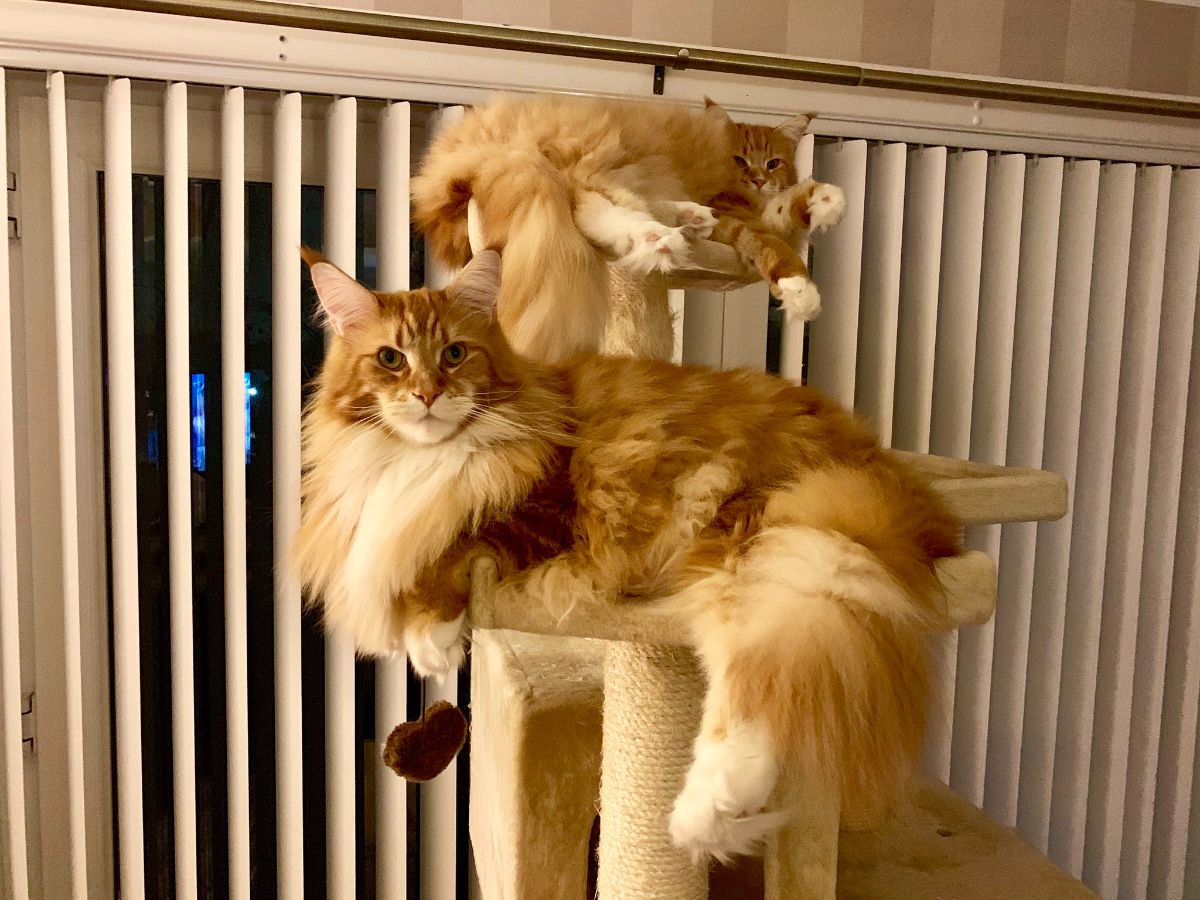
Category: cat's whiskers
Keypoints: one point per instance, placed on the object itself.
(491, 416)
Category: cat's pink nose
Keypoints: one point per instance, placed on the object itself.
(427, 397)
(758, 180)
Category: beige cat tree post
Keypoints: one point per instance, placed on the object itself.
(535, 700)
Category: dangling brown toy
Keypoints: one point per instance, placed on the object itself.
(422, 749)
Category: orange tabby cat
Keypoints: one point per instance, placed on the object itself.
(761, 512)
(564, 183)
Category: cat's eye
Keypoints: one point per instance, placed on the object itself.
(390, 358)
(774, 163)
(454, 354)
(741, 161)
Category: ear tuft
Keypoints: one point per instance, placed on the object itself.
(345, 302)
(716, 110)
(794, 128)
(478, 284)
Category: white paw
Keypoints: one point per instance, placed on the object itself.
(721, 810)
(798, 297)
(826, 206)
(656, 248)
(436, 651)
(697, 221)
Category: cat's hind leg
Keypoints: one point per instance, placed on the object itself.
(641, 243)
(722, 810)
(696, 220)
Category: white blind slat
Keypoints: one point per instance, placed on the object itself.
(883, 228)
(992, 380)
(118, 235)
(233, 471)
(1182, 265)
(924, 206)
(285, 379)
(744, 326)
(1176, 781)
(1027, 413)
(179, 486)
(950, 411)
(340, 201)
(1089, 511)
(1076, 240)
(439, 806)
(1127, 517)
(837, 269)
(13, 761)
(391, 675)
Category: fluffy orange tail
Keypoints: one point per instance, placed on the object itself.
(818, 626)
(554, 292)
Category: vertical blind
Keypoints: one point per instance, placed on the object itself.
(1010, 308)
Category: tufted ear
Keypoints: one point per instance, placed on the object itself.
(716, 110)
(478, 284)
(344, 301)
(793, 129)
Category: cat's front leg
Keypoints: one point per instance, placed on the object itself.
(436, 648)
(808, 206)
(436, 631)
(777, 262)
(826, 206)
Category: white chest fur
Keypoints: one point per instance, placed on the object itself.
(394, 500)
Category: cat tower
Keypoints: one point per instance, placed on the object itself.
(603, 704)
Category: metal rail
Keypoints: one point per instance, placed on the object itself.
(499, 37)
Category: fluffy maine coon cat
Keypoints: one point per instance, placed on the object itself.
(563, 184)
(760, 511)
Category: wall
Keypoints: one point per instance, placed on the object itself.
(1145, 45)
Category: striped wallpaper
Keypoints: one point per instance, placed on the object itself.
(1145, 45)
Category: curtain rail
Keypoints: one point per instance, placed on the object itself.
(347, 21)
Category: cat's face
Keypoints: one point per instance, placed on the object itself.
(765, 159)
(764, 155)
(426, 365)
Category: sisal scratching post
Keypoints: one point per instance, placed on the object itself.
(639, 319)
(652, 699)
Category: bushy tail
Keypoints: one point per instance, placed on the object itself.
(554, 289)
(821, 623)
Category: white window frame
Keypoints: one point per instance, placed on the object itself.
(155, 46)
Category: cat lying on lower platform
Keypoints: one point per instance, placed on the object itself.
(759, 511)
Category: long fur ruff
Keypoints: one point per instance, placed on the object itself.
(758, 510)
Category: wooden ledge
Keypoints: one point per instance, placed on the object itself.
(983, 494)
(711, 266)
(969, 582)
